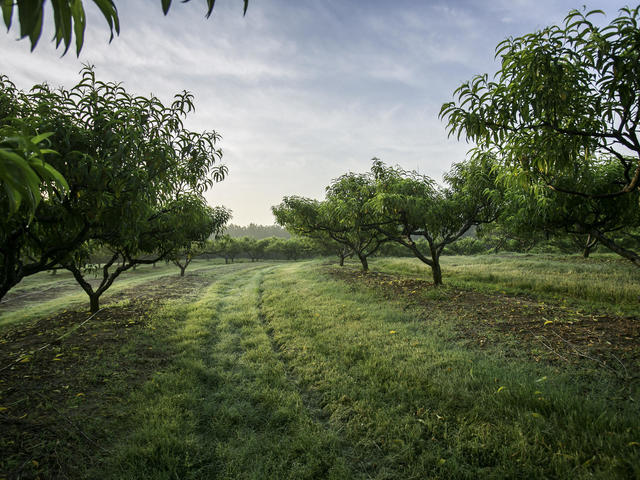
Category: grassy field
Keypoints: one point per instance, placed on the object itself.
(306, 370)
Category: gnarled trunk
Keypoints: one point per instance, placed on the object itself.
(363, 261)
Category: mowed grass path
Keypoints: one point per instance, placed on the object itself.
(285, 371)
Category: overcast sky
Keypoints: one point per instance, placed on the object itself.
(301, 91)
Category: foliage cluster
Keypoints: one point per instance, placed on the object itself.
(362, 212)
(125, 177)
(70, 18)
(562, 119)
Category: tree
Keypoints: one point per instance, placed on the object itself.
(69, 18)
(562, 115)
(344, 216)
(594, 219)
(171, 229)
(128, 162)
(325, 245)
(255, 249)
(410, 205)
(227, 247)
(190, 241)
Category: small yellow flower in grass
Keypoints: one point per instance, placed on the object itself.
(392, 332)
(80, 394)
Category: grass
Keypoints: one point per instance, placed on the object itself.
(602, 282)
(289, 371)
(44, 294)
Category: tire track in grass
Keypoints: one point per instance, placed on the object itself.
(225, 407)
(167, 413)
(263, 426)
(311, 400)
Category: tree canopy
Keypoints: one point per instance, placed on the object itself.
(411, 205)
(562, 95)
(132, 173)
(344, 216)
(562, 117)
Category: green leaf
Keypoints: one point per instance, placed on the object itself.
(210, 4)
(7, 12)
(165, 6)
(110, 13)
(79, 23)
(39, 138)
(30, 14)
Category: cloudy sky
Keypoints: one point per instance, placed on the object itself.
(301, 91)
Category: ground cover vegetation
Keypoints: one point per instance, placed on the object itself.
(223, 373)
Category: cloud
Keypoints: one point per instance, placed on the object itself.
(300, 91)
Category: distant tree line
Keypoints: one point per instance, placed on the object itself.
(256, 231)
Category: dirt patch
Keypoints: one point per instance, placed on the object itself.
(16, 300)
(549, 332)
(50, 385)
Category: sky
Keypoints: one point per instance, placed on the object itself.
(301, 91)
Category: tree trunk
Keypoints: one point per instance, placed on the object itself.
(437, 273)
(435, 268)
(365, 264)
(342, 260)
(94, 302)
(182, 269)
(589, 246)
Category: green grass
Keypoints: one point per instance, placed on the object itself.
(602, 282)
(283, 371)
(46, 294)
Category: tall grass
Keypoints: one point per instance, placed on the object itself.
(602, 282)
